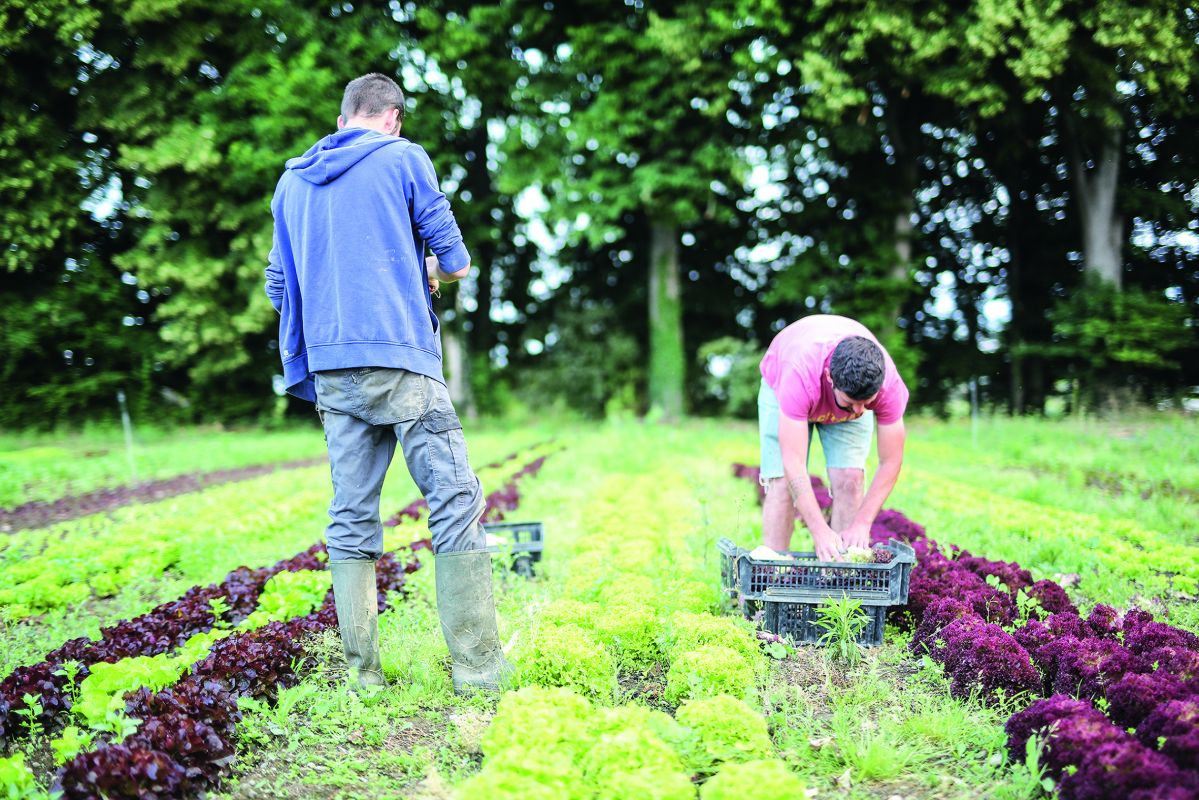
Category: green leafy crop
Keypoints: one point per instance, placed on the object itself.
(631, 634)
(689, 631)
(762, 780)
(567, 655)
(720, 730)
(561, 718)
(708, 671)
(16, 781)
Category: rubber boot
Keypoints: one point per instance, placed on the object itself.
(357, 603)
(466, 606)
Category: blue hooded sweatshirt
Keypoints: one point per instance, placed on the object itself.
(353, 218)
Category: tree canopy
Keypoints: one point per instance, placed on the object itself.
(1005, 192)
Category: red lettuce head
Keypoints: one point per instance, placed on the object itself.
(1131, 698)
(1117, 769)
(1052, 598)
(1068, 729)
(1173, 728)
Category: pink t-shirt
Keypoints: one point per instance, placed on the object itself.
(794, 367)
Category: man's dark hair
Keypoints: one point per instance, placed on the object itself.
(857, 367)
(371, 95)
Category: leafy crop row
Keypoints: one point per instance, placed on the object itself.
(633, 610)
(99, 463)
(1137, 560)
(1001, 635)
(241, 664)
(161, 630)
(553, 743)
(39, 513)
(69, 564)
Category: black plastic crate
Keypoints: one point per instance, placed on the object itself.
(525, 543)
(787, 594)
(798, 620)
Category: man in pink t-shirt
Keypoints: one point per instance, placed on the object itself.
(830, 374)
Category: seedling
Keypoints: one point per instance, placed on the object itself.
(842, 621)
(70, 669)
(219, 607)
(31, 714)
(70, 743)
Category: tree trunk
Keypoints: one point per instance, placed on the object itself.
(667, 363)
(904, 131)
(1095, 190)
(1015, 293)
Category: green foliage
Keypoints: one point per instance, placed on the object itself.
(119, 555)
(708, 671)
(16, 781)
(30, 714)
(540, 778)
(628, 758)
(631, 634)
(561, 718)
(842, 621)
(766, 780)
(731, 375)
(552, 739)
(64, 577)
(287, 595)
(564, 611)
(567, 656)
(689, 631)
(1106, 334)
(33, 469)
(591, 361)
(720, 730)
(694, 596)
(70, 743)
(101, 699)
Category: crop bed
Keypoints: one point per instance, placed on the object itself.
(1074, 673)
(175, 734)
(999, 634)
(38, 513)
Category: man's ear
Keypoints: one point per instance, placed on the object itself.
(341, 122)
(396, 122)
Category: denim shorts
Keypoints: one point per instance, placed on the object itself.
(846, 445)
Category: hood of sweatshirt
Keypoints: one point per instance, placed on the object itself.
(331, 157)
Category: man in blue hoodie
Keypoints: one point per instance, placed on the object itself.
(349, 276)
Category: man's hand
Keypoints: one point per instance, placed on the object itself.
(856, 536)
(828, 545)
(434, 287)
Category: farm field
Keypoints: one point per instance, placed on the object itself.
(633, 679)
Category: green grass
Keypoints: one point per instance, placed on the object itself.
(46, 468)
(1144, 470)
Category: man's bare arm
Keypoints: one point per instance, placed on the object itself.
(793, 440)
(890, 458)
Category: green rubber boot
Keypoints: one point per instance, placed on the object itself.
(357, 604)
(467, 609)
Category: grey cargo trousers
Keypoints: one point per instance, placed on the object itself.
(365, 411)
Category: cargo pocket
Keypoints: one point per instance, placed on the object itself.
(447, 450)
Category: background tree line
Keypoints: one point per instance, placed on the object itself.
(1005, 191)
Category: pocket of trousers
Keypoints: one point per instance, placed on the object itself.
(447, 450)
